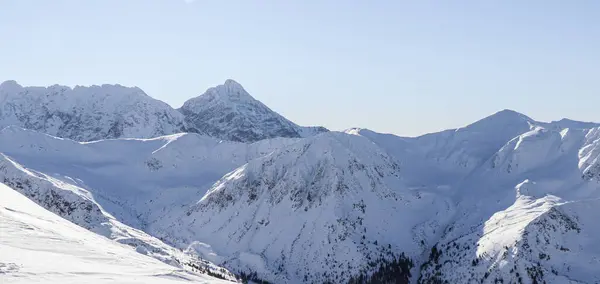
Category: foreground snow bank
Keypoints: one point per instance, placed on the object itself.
(39, 246)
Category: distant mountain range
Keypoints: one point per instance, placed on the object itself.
(112, 111)
(227, 184)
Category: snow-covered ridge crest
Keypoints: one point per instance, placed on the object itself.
(113, 111)
(87, 113)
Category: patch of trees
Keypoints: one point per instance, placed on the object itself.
(393, 271)
(252, 276)
(206, 270)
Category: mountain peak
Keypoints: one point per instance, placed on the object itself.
(232, 83)
(510, 113)
(10, 85)
(503, 118)
(230, 91)
(229, 94)
(574, 124)
(229, 112)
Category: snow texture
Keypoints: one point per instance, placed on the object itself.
(506, 199)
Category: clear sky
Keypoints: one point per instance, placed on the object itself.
(405, 67)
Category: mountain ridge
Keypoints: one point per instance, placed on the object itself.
(504, 199)
(113, 111)
(228, 112)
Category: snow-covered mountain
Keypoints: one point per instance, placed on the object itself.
(506, 199)
(87, 113)
(228, 112)
(95, 187)
(526, 214)
(325, 209)
(524, 199)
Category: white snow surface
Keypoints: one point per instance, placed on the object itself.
(38, 246)
(506, 198)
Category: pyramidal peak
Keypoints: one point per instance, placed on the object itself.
(232, 83)
(229, 112)
(507, 115)
(229, 91)
(501, 120)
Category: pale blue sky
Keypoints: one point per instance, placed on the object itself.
(405, 67)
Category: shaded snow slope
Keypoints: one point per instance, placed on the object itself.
(39, 246)
(229, 112)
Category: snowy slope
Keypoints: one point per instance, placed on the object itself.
(543, 240)
(327, 208)
(462, 150)
(455, 153)
(229, 112)
(39, 246)
(96, 187)
(78, 205)
(157, 177)
(446, 157)
(507, 174)
(502, 196)
(87, 113)
(527, 215)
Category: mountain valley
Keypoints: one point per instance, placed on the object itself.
(226, 189)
